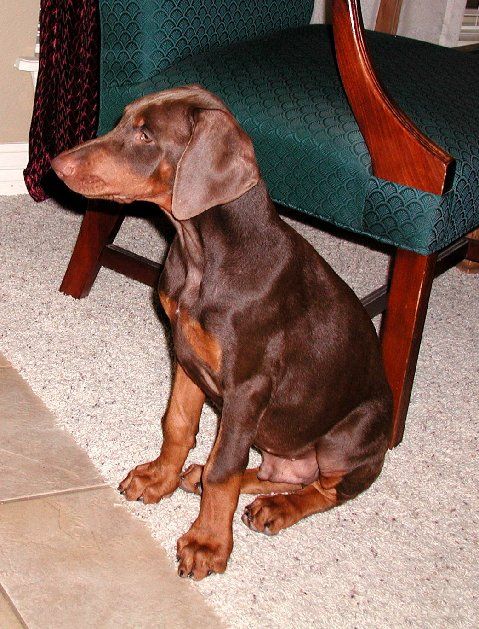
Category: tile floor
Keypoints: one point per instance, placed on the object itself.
(70, 555)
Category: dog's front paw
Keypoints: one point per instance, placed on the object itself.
(201, 553)
(149, 482)
(190, 479)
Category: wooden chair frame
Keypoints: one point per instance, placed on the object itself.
(399, 151)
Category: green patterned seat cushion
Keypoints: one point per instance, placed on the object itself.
(285, 91)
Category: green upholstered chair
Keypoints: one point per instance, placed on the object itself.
(401, 169)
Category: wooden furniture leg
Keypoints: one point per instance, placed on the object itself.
(98, 229)
(470, 264)
(401, 331)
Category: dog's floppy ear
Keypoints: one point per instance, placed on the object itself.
(217, 166)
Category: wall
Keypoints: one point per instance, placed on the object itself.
(454, 13)
(18, 27)
(437, 21)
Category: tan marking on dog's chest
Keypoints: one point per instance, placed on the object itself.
(202, 342)
(169, 305)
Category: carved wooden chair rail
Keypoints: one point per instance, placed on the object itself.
(400, 153)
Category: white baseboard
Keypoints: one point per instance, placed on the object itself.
(13, 159)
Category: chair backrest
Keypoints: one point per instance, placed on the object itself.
(141, 37)
(387, 19)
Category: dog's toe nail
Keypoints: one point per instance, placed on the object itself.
(248, 520)
(209, 573)
(190, 574)
(178, 557)
(181, 572)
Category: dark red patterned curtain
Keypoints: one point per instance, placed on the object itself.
(65, 110)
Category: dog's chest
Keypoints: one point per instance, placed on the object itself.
(193, 344)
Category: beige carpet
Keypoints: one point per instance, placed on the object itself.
(404, 554)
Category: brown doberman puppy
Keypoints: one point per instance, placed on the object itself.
(262, 326)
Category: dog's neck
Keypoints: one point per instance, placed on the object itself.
(193, 250)
(224, 229)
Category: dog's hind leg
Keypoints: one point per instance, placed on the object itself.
(270, 514)
(250, 483)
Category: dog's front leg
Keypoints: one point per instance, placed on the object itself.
(206, 547)
(159, 478)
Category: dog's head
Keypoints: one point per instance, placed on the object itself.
(181, 149)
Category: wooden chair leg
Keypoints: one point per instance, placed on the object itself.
(98, 229)
(401, 331)
(470, 264)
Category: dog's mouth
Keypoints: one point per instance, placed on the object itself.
(96, 189)
(90, 186)
(108, 196)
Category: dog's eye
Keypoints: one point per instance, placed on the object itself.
(144, 137)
